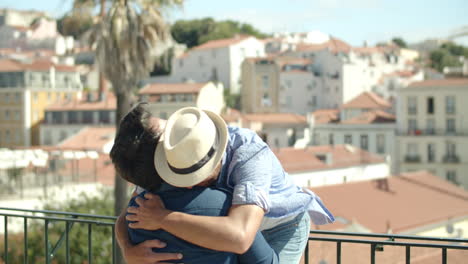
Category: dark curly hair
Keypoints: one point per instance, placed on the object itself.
(134, 147)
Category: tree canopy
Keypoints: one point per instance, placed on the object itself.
(447, 55)
(400, 42)
(198, 31)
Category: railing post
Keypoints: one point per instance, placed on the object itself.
(408, 254)
(90, 247)
(6, 238)
(444, 255)
(46, 241)
(25, 240)
(67, 242)
(338, 252)
(372, 256)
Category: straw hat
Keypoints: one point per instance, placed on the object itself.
(192, 145)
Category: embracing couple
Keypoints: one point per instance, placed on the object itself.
(207, 193)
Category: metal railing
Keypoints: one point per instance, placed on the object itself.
(50, 218)
(377, 242)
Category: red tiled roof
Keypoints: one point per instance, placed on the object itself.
(371, 117)
(342, 156)
(442, 82)
(110, 103)
(221, 43)
(37, 65)
(367, 100)
(334, 45)
(402, 203)
(21, 28)
(90, 138)
(325, 116)
(276, 118)
(172, 88)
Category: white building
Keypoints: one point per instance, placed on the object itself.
(66, 118)
(328, 165)
(216, 60)
(165, 99)
(432, 128)
(362, 122)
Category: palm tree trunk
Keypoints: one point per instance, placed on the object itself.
(124, 103)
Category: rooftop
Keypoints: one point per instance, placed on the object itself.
(342, 156)
(221, 43)
(276, 118)
(371, 117)
(10, 65)
(334, 45)
(90, 138)
(325, 116)
(172, 88)
(400, 203)
(367, 100)
(441, 83)
(109, 103)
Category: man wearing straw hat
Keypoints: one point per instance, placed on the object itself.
(132, 154)
(197, 148)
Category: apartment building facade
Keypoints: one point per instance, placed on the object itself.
(432, 128)
(165, 99)
(66, 118)
(26, 89)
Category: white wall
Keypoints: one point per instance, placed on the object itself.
(341, 175)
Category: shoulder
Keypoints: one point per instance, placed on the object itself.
(242, 136)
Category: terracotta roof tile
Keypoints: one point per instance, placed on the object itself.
(402, 203)
(342, 156)
(326, 116)
(221, 43)
(371, 117)
(441, 83)
(89, 138)
(276, 118)
(172, 88)
(110, 103)
(367, 100)
(334, 45)
(36, 65)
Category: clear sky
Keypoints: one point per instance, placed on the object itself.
(351, 20)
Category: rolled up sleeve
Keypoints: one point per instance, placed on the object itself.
(251, 172)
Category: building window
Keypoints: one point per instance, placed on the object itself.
(348, 139)
(266, 101)
(430, 128)
(412, 150)
(72, 117)
(7, 97)
(87, 117)
(380, 143)
(104, 117)
(450, 104)
(451, 150)
(412, 105)
(17, 115)
(314, 100)
(7, 136)
(430, 105)
(431, 152)
(450, 125)
(201, 62)
(451, 176)
(364, 142)
(7, 114)
(265, 82)
(412, 126)
(63, 135)
(17, 97)
(57, 118)
(331, 140)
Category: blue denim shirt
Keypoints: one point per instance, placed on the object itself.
(253, 174)
(200, 201)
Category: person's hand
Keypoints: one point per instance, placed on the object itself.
(143, 253)
(150, 213)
